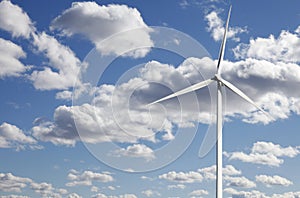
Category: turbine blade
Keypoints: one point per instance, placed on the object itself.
(186, 90)
(222, 48)
(242, 95)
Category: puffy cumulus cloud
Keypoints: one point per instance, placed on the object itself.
(210, 172)
(216, 27)
(255, 193)
(47, 190)
(136, 150)
(101, 195)
(177, 186)
(151, 193)
(245, 194)
(13, 19)
(265, 153)
(13, 137)
(64, 65)
(198, 193)
(12, 183)
(64, 95)
(275, 149)
(231, 170)
(182, 177)
(284, 48)
(241, 182)
(273, 180)
(119, 112)
(64, 131)
(87, 178)
(270, 85)
(287, 195)
(10, 53)
(74, 195)
(267, 70)
(98, 22)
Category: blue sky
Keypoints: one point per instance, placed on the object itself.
(75, 78)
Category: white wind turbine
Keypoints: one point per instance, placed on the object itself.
(220, 82)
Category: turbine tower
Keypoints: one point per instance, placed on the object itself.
(220, 83)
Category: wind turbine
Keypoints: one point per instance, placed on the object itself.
(220, 83)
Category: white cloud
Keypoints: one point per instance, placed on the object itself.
(94, 189)
(64, 131)
(275, 149)
(147, 178)
(61, 58)
(241, 182)
(87, 178)
(13, 137)
(231, 170)
(100, 195)
(176, 186)
(287, 195)
(210, 172)
(63, 66)
(216, 27)
(64, 95)
(182, 177)
(74, 195)
(9, 58)
(136, 150)
(13, 19)
(111, 187)
(255, 193)
(105, 121)
(184, 4)
(11, 183)
(198, 193)
(47, 190)
(245, 194)
(273, 180)
(285, 48)
(265, 153)
(150, 193)
(98, 23)
(270, 85)
(274, 91)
